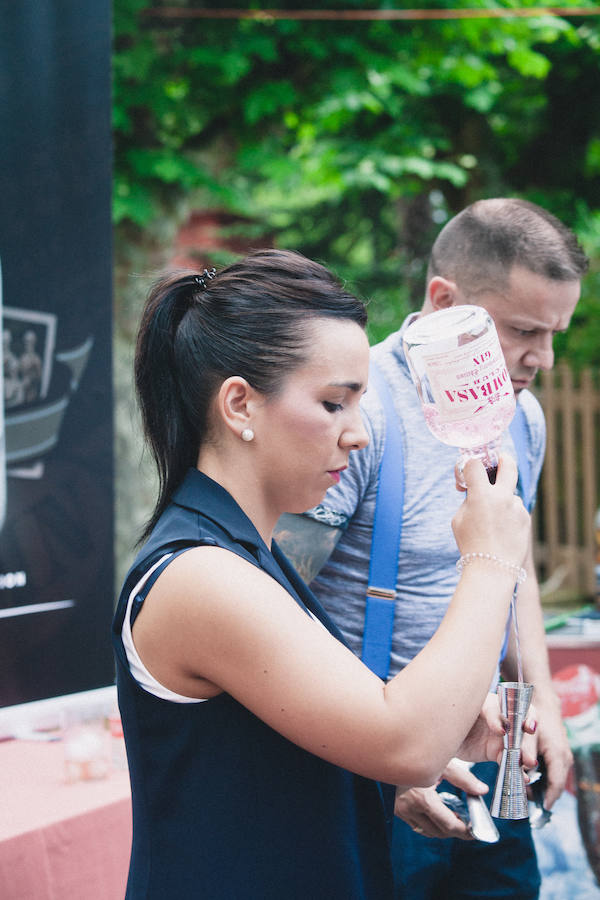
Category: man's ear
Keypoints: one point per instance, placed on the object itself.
(235, 403)
(441, 293)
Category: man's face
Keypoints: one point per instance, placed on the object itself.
(527, 314)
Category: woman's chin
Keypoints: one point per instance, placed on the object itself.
(302, 504)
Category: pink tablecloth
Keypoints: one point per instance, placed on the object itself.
(60, 841)
(568, 650)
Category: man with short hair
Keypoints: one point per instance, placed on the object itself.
(524, 266)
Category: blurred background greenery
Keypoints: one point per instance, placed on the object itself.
(352, 141)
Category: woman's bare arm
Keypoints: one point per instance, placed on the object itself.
(214, 622)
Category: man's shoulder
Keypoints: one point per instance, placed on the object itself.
(535, 421)
(531, 407)
(533, 441)
(390, 360)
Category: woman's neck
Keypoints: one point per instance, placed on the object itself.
(239, 479)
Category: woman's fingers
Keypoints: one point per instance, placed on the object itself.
(507, 472)
(472, 475)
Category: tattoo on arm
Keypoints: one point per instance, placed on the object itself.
(307, 544)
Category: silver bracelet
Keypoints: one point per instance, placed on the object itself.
(519, 573)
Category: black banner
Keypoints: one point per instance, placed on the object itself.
(56, 468)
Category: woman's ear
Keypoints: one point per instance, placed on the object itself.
(236, 401)
(441, 293)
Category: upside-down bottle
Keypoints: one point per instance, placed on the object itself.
(457, 365)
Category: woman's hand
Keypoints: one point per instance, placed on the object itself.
(484, 742)
(492, 518)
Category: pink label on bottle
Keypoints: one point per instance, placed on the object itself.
(468, 378)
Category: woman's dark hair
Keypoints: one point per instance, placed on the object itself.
(250, 320)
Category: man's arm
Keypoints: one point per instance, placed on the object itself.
(551, 735)
(308, 544)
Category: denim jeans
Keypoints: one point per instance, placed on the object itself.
(451, 869)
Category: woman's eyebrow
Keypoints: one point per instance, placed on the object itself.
(351, 385)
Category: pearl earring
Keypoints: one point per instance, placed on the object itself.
(247, 434)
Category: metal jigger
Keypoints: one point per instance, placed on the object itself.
(510, 796)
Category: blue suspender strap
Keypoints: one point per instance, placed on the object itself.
(520, 435)
(385, 543)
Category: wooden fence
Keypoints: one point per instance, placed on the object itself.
(565, 535)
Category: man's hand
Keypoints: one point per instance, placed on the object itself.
(425, 812)
(553, 745)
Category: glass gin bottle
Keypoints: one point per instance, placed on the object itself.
(456, 362)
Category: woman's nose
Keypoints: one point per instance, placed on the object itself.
(355, 436)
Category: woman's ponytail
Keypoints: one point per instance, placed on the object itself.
(172, 439)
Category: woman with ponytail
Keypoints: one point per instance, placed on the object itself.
(261, 750)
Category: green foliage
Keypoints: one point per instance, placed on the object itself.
(581, 343)
(354, 141)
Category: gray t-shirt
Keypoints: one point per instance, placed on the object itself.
(427, 573)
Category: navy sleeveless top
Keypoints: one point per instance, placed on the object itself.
(224, 807)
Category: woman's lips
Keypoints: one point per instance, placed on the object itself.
(336, 473)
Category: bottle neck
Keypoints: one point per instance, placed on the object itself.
(487, 453)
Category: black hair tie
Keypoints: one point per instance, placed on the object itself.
(207, 275)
